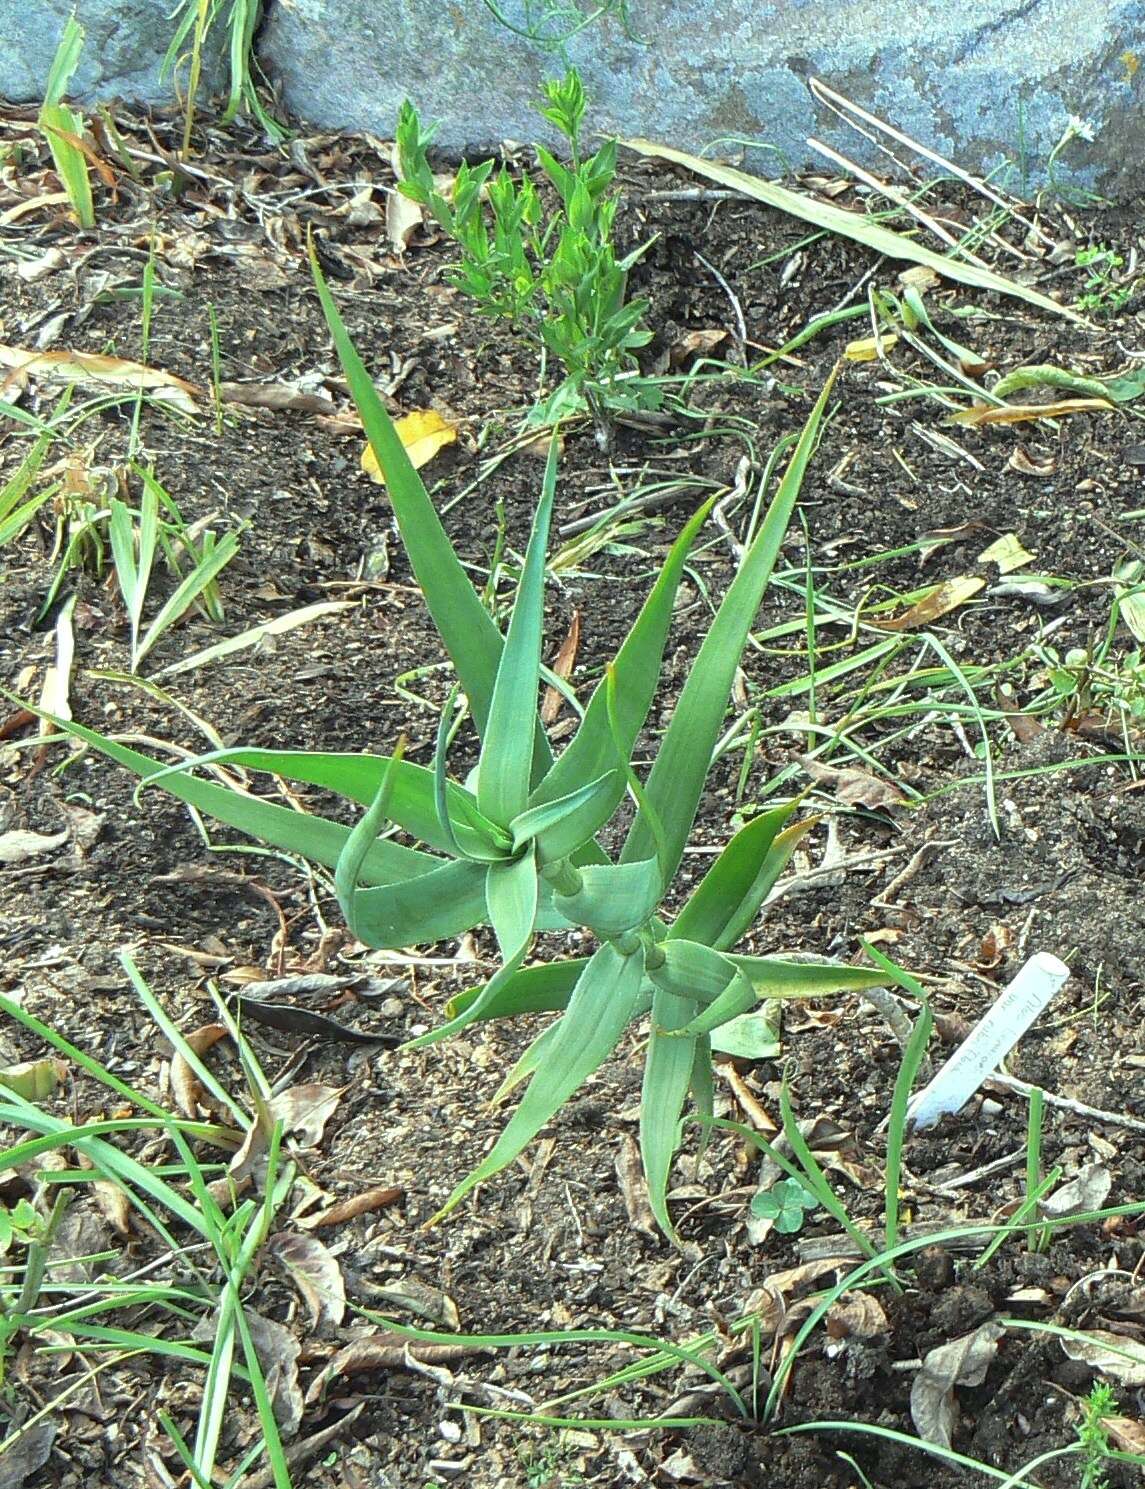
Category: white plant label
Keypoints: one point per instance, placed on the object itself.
(990, 1041)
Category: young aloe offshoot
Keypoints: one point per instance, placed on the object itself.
(518, 849)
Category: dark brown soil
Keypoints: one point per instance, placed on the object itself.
(1045, 856)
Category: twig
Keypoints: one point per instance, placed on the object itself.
(1079, 1108)
(737, 308)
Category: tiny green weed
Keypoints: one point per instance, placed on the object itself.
(554, 271)
(1093, 1435)
(1105, 292)
(786, 1202)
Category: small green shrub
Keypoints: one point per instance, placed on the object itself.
(554, 270)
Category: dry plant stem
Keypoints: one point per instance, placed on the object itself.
(736, 493)
(737, 308)
(1079, 1108)
(886, 900)
(883, 1001)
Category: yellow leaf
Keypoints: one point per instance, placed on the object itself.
(423, 433)
(1016, 413)
(1007, 552)
(867, 348)
(940, 601)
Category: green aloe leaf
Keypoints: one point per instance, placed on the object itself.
(602, 1005)
(511, 898)
(676, 781)
(311, 837)
(528, 1063)
(545, 988)
(613, 898)
(773, 977)
(692, 970)
(507, 746)
(413, 804)
(448, 901)
(594, 751)
(668, 1070)
(468, 630)
(541, 820)
(725, 902)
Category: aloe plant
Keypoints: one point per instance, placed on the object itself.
(516, 848)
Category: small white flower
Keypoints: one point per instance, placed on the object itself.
(1078, 128)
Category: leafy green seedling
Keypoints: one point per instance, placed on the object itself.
(515, 846)
(1104, 292)
(1094, 1435)
(552, 270)
(786, 1202)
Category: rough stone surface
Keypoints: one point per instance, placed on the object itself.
(124, 45)
(984, 83)
(989, 83)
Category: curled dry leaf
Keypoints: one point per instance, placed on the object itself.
(856, 787)
(100, 372)
(563, 667)
(403, 218)
(1026, 464)
(423, 433)
(19, 847)
(1018, 413)
(305, 1110)
(379, 1198)
(276, 396)
(184, 1082)
(412, 1295)
(1125, 1433)
(940, 601)
(1116, 1355)
(695, 343)
(385, 1350)
(315, 1274)
(856, 1315)
(1087, 1190)
(633, 1188)
(962, 1362)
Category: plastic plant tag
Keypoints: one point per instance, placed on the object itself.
(990, 1041)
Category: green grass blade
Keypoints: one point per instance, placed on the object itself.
(201, 577)
(61, 126)
(16, 521)
(593, 750)
(725, 902)
(854, 225)
(912, 1058)
(599, 1011)
(676, 781)
(668, 1068)
(507, 749)
(67, 58)
(121, 535)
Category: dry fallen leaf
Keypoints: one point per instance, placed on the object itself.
(1111, 1354)
(1007, 552)
(379, 1198)
(305, 1110)
(869, 348)
(315, 1274)
(277, 1351)
(1017, 413)
(423, 433)
(19, 847)
(855, 787)
(562, 666)
(940, 601)
(95, 370)
(412, 1295)
(1087, 1190)
(695, 343)
(962, 1362)
(1027, 465)
(856, 1315)
(184, 1082)
(385, 1350)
